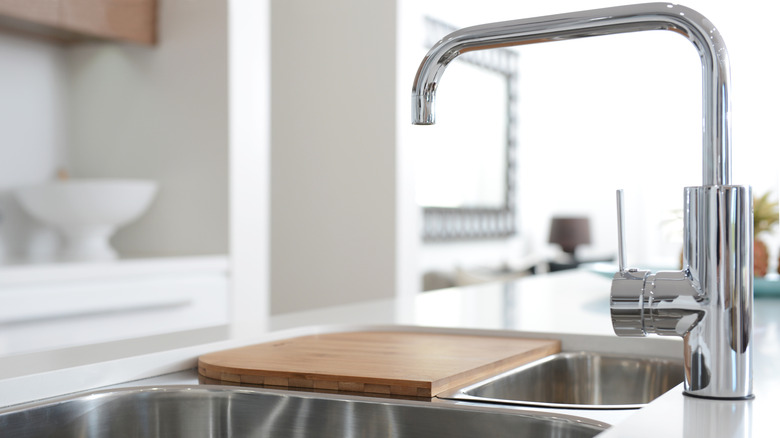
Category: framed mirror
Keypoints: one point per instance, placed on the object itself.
(466, 167)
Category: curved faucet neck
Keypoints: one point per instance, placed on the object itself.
(716, 141)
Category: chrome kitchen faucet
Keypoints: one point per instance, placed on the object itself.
(709, 303)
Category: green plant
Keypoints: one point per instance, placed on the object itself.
(765, 217)
(765, 213)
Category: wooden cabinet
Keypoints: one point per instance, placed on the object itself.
(74, 20)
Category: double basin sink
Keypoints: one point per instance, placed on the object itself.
(565, 380)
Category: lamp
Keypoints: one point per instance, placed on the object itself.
(569, 232)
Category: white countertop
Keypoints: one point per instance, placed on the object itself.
(564, 302)
(573, 305)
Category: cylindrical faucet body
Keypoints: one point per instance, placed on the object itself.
(718, 253)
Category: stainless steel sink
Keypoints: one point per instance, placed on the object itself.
(579, 380)
(216, 411)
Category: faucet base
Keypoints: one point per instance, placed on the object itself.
(745, 398)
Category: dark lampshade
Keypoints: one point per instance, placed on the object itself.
(569, 232)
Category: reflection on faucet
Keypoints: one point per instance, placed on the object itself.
(710, 302)
(717, 418)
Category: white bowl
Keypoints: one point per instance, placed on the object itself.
(87, 211)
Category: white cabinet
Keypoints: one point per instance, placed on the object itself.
(56, 306)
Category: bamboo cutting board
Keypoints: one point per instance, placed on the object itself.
(393, 363)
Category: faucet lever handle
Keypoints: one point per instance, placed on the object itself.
(621, 219)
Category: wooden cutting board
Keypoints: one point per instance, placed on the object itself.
(394, 363)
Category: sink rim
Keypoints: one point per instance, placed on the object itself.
(434, 403)
(462, 393)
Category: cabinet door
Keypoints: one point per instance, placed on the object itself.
(88, 312)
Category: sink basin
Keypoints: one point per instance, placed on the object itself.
(579, 380)
(208, 411)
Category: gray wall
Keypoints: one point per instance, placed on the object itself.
(333, 196)
(159, 113)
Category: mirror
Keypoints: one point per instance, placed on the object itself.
(466, 168)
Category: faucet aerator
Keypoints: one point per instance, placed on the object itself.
(423, 109)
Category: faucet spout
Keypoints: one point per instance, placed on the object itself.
(716, 141)
(709, 303)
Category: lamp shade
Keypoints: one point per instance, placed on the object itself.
(569, 232)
